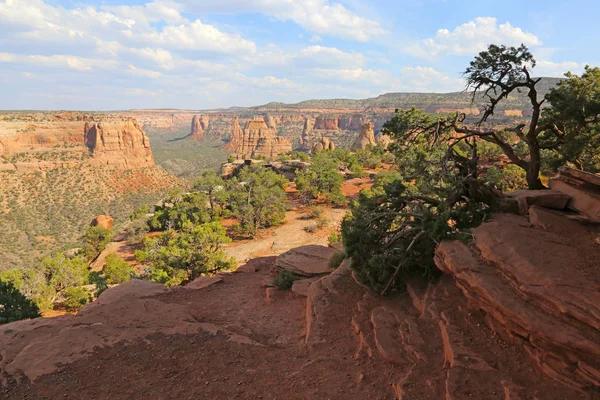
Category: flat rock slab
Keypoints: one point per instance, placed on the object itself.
(543, 198)
(306, 260)
(203, 281)
(592, 179)
(583, 201)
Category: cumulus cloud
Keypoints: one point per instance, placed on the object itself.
(320, 17)
(58, 61)
(557, 69)
(472, 37)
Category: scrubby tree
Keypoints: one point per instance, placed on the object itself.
(94, 241)
(177, 257)
(257, 198)
(14, 306)
(436, 193)
(180, 210)
(116, 270)
(575, 112)
(494, 75)
(76, 297)
(211, 184)
(321, 179)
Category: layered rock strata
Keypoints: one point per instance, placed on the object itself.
(120, 143)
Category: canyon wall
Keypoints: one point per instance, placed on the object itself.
(46, 141)
(120, 143)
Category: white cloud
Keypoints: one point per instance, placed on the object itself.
(58, 61)
(320, 17)
(330, 55)
(159, 56)
(557, 69)
(472, 37)
(139, 92)
(200, 36)
(132, 69)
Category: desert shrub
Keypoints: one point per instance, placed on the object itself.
(212, 185)
(179, 210)
(177, 257)
(312, 212)
(393, 228)
(285, 279)
(507, 179)
(257, 198)
(283, 157)
(321, 179)
(137, 230)
(140, 212)
(337, 259)
(14, 306)
(322, 222)
(334, 237)
(311, 228)
(95, 240)
(117, 270)
(76, 297)
(298, 155)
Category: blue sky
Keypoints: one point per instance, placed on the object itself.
(199, 54)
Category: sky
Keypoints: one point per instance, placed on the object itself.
(203, 54)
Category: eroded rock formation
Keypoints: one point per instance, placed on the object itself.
(366, 137)
(271, 122)
(259, 140)
(326, 123)
(197, 131)
(236, 135)
(322, 144)
(119, 143)
(384, 140)
(305, 137)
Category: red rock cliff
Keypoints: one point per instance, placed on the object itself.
(120, 143)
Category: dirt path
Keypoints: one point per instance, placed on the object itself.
(287, 236)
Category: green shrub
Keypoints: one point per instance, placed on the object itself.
(322, 222)
(76, 297)
(95, 240)
(285, 279)
(334, 237)
(117, 270)
(14, 306)
(337, 259)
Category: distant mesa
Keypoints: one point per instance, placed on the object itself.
(366, 137)
(40, 142)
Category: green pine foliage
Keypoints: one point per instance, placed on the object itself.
(14, 306)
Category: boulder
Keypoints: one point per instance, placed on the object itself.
(543, 198)
(307, 260)
(103, 221)
(323, 144)
(583, 199)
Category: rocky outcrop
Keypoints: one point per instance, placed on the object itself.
(271, 123)
(119, 143)
(306, 260)
(366, 137)
(384, 140)
(305, 137)
(582, 188)
(322, 144)
(260, 140)
(103, 221)
(326, 123)
(236, 135)
(197, 131)
(535, 285)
